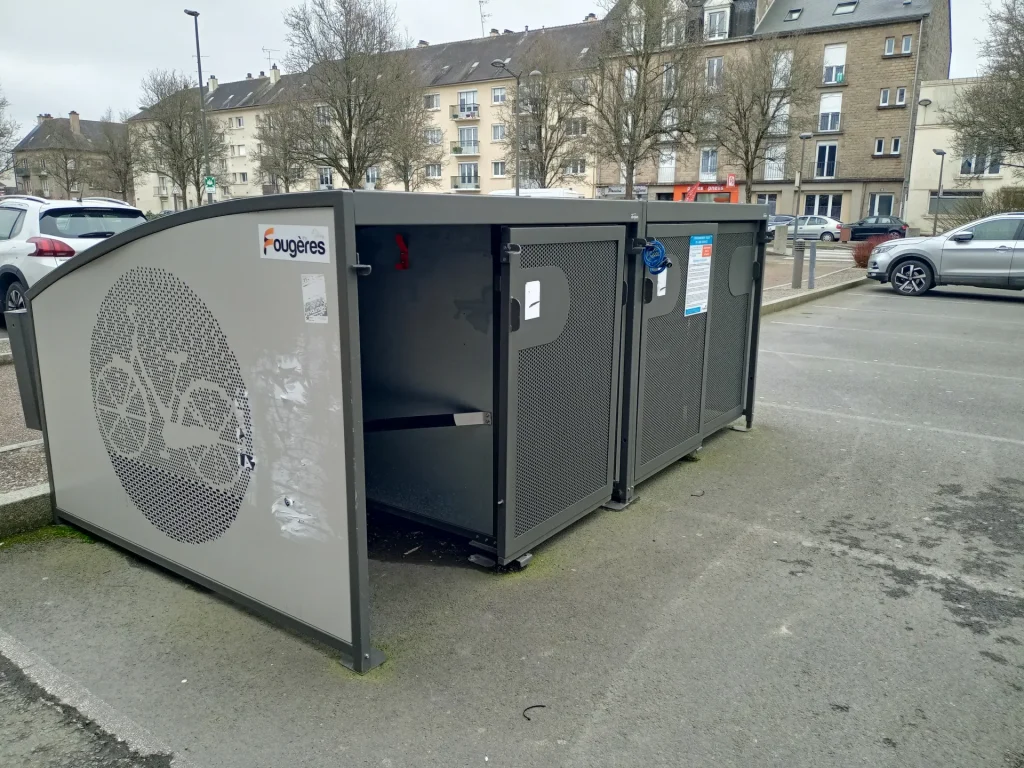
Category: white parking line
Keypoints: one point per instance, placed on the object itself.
(945, 297)
(19, 446)
(1015, 379)
(922, 314)
(892, 333)
(909, 427)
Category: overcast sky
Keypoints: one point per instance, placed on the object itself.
(87, 55)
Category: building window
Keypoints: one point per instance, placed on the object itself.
(432, 171)
(830, 112)
(666, 166)
(668, 80)
(908, 43)
(577, 167)
(325, 176)
(846, 7)
(239, 122)
(775, 162)
(632, 34)
(673, 31)
(74, 187)
(372, 174)
(901, 96)
(715, 70)
(323, 115)
(433, 136)
(498, 132)
(780, 121)
(879, 146)
(783, 65)
(716, 25)
(498, 169)
(234, 178)
(835, 64)
(576, 126)
(467, 101)
(883, 98)
(897, 143)
(580, 87)
(469, 174)
(890, 46)
(709, 164)
(826, 165)
(794, 14)
(771, 199)
(629, 80)
(880, 204)
(45, 184)
(824, 205)
(951, 201)
(497, 95)
(981, 165)
(432, 101)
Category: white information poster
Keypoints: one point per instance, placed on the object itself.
(314, 298)
(663, 283)
(533, 300)
(698, 275)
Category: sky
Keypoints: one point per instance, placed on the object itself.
(88, 55)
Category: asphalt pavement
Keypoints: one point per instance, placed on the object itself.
(839, 587)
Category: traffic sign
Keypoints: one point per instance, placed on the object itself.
(210, 183)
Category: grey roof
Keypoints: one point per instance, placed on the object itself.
(52, 131)
(819, 14)
(243, 94)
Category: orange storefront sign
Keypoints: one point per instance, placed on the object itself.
(723, 192)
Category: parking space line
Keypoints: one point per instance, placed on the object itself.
(908, 426)
(19, 446)
(892, 333)
(1016, 379)
(945, 297)
(922, 314)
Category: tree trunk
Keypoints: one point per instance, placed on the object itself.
(630, 168)
(748, 188)
(287, 185)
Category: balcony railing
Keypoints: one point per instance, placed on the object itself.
(465, 148)
(22, 171)
(827, 169)
(829, 122)
(711, 176)
(162, 191)
(463, 111)
(465, 183)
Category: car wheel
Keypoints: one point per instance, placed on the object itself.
(828, 237)
(14, 298)
(911, 278)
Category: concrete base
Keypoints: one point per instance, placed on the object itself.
(803, 298)
(25, 509)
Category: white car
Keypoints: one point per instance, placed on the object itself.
(37, 235)
(816, 228)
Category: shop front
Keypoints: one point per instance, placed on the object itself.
(708, 192)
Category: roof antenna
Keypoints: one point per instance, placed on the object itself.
(270, 56)
(483, 16)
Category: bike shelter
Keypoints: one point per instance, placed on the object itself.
(223, 391)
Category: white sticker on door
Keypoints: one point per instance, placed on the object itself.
(698, 275)
(288, 242)
(532, 300)
(314, 298)
(663, 283)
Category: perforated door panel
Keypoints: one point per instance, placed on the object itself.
(672, 353)
(565, 287)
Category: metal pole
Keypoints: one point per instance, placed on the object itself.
(798, 263)
(796, 208)
(519, 136)
(810, 264)
(938, 202)
(202, 101)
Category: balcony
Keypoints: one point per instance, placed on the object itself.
(709, 176)
(827, 169)
(465, 111)
(465, 148)
(22, 172)
(829, 122)
(466, 183)
(162, 191)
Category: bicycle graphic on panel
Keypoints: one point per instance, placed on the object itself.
(204, 422)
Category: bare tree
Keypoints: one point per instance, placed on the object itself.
(67, 160)
(963, 210)
(647, 92)
(8, 135)
(171, 131)
(217, 136)
(281, 133)
(358, 85)
(987, 116)
(118, 158)
(762, 84)
(552, 122)
(414, 143)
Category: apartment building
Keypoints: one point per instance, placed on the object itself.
(872, 55)
(963, 178)
(36, 155)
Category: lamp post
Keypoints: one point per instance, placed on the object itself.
(800, 183)
(938, 201)
(202, 99)
(500, 65)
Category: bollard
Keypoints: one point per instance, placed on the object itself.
(798, 263)
(810, 264)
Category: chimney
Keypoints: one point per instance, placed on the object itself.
(42, 119)
(590, 17)
(507, 32)
(76, 127)
(262, 73)
(275, 75)
(422, 44)
(211, 84)
(248, 75)
(494, 33)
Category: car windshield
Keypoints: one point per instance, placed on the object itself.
(88, 222)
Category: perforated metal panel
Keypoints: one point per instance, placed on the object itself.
(565, 387)
(673, 369)
(171, 406)
(727, 342)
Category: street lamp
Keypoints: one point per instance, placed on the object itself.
(202, 99)
(938, 201)
(499, 64)
(799, 183)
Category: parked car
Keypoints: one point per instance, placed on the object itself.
(37, 235)
(877, 226)
(988, 253)
(816, 228)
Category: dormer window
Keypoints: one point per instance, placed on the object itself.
(794, 14)
(716, 19)
(843, 8)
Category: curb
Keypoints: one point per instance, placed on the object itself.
(25, 509)
(803, 298)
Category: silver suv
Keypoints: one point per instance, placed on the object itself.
(988, 253)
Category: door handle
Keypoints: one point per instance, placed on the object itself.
(1004, 247)
(515, 311)
(648, 290)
